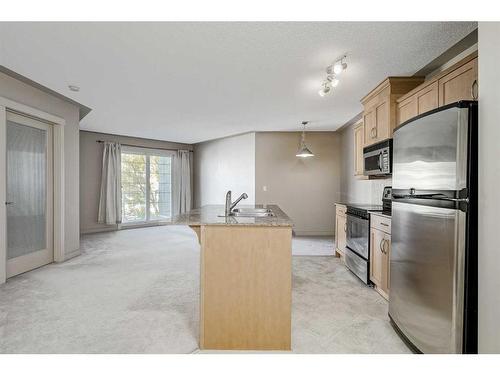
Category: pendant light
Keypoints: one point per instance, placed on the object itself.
(304, 152)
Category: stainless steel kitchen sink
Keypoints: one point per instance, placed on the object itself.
(252, 212)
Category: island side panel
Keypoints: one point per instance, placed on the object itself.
(246, 287)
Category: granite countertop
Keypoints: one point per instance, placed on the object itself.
(381, 214)
(212, 215)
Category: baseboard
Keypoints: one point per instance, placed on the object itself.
(313, 233)
(98, 230)
(72, 254)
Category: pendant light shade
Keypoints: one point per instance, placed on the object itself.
(304, 152)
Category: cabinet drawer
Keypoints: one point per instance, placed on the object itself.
(341, 210)
(381, 223)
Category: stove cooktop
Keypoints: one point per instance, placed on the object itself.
(366, 207)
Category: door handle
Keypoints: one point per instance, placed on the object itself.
(386, 242)
(473, 90)
(8, 203)
(381, 246)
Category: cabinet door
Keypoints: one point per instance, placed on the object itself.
(382, 120)
(458, 84)
(406, 109)
(387, 262)
(370, 129)
(358, 150)
(427, 98)
(376, 256)
(341, 233)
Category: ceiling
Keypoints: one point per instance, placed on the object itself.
(191, 82)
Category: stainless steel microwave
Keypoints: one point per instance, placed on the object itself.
(377, 159)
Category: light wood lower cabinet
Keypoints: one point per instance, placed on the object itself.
(340, 229)
(246, 287)
(380, 253)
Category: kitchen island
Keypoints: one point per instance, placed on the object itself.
(246, 276)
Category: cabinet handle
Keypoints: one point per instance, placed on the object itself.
(473, 90)
(384, 224)
(381, 246)
(345, 227)
(373, 132)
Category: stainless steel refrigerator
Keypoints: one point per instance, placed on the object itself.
(433, 266)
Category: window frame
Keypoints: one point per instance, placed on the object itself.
(148, 152)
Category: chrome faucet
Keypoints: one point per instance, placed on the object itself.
(229, 205)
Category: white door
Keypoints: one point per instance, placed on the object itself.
(29, 194)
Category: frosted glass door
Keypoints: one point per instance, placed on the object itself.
(29, 194)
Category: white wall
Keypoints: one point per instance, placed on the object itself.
(25, 94)
(352, 189)
(489, 188)
(304, 188)
(224, 164)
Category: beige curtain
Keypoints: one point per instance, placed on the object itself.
(110, 201)
(182, 182)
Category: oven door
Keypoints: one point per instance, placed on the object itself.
(358, 234)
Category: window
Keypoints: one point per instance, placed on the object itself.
(146, 185)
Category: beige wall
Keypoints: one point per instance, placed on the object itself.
(90, 173)
(23, 93)
(489, 182)
(352, 189)
(304, 188)
(224, 164)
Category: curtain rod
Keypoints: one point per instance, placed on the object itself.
(152, 148)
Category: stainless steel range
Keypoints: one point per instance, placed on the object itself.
(357, 252)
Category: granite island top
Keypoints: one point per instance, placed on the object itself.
(213, 215)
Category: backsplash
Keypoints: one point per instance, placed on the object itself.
(377, 188)
(353, 189)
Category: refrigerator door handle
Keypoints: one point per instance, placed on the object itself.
(457, 200)
(436, 197)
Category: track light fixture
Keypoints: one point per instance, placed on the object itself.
(333, 71)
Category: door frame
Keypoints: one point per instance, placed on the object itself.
(58, 175)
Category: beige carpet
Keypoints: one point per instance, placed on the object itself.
(136, 291)
(318, 246)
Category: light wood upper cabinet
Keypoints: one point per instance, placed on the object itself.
(406, 109)
(379, 114)
(370, 130)
(427, 98)
(359, 142)
(458, 84)
(421, 101)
